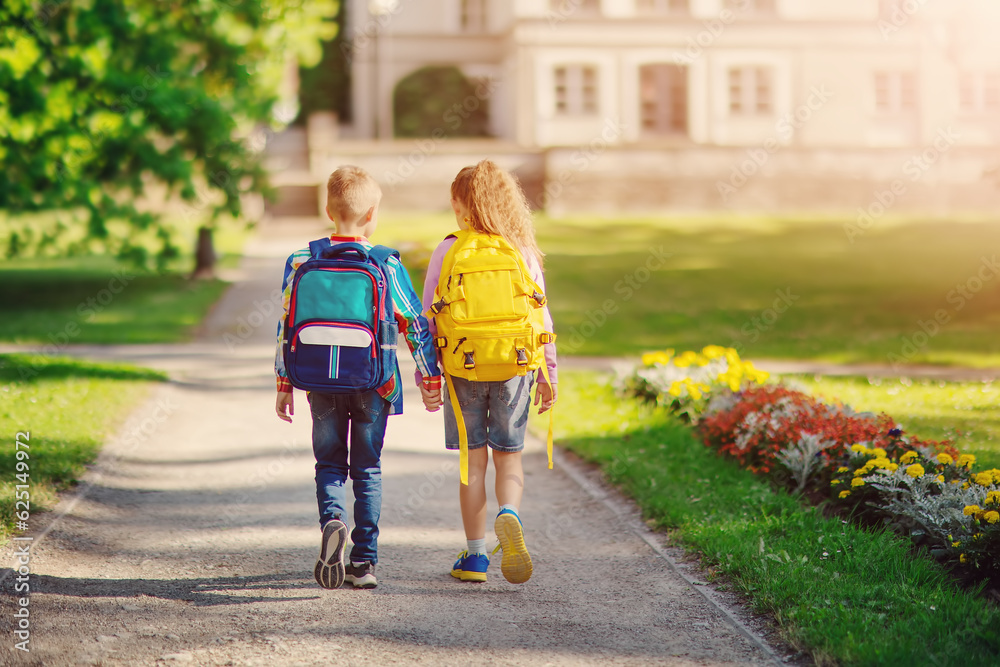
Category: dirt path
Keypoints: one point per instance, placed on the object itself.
(193, 540)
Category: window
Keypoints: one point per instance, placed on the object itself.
(979, 92)
(576, 90)
(571, 7)
(663, 98)
(752, 6)
(895, 92)
(473, 15)
(750, 91)
(661, 6)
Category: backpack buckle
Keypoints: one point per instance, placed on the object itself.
(522, 357)
(539, 298)
(546, 338)
(438, 306)
(470, 362)
(440, 342)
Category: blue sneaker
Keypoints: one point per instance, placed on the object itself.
(516, 563)
(470, 567)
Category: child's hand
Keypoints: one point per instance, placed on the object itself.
(547, 395)
(284, 401)
(432, 398)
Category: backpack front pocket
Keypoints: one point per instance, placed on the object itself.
(333, 355)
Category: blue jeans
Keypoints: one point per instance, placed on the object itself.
(366, 414)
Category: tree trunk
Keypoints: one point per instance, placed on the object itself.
(204, 267)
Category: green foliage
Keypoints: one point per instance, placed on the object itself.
(440, 102)
(843, 594)
(94, 300)
(68, 407)
(101, 98)
(327, 85)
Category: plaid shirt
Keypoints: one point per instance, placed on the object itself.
(406, 304)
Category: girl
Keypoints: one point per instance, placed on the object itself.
(487, 199)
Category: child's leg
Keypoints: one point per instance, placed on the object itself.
(472, 497)
(329, 440)
(510, 478)
(369, 414)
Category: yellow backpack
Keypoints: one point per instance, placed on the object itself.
(490, 320)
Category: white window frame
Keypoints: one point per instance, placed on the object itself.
(576, 89)
(895, 92)
(748, 100)
(473, 16)
(979, 92)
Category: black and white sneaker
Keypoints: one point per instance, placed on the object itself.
(330, 566)
(362, 576)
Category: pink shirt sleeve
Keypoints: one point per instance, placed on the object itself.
(550, 348)
(430, 283)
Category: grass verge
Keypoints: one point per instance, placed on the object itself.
(843, 594)
(68, 407)
(925, 291)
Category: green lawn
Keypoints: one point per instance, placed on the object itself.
(96, 300)
(67, 407)
(966, 412)
(842, 594)
(847, 302)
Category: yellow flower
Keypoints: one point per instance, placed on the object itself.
(940, 478)
(965, 486)
(858, 481)
(966, 460)
(969, 510)
(844, 493)
(675, 389)
(962, 558)
(881, 462)
(843, 469)
(992, 516)
(879, 452)
(944, 459)
(861, 471)
(835, 482)
(713, 351)
(662, 358)
(893, 467)
(993, 498)
(859, 449)
(956, 544)
(983, 478)
(915, 470)
(908, 456)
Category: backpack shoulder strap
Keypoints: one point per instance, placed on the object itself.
(317, 247)
(383, 253)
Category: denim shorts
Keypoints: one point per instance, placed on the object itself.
(495, 413)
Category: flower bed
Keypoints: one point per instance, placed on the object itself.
(860, 463)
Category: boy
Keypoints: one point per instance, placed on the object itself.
(353, 197)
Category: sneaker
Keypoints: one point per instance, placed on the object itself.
(329, 570)
(516, 563)
(470, 567)
(362, 576)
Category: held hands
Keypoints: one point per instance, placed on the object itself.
(284, 401)
(430, 393)
(547, 394)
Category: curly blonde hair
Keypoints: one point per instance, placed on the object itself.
(496, 205)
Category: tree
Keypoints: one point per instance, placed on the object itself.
(440, 102)
(101, 99)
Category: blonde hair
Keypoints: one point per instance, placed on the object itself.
(496, 205)
(350, 192)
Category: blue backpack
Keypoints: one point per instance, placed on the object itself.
(340, 332)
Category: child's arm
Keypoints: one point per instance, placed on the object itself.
(545, 393)
(284, 404)
(414, 326)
